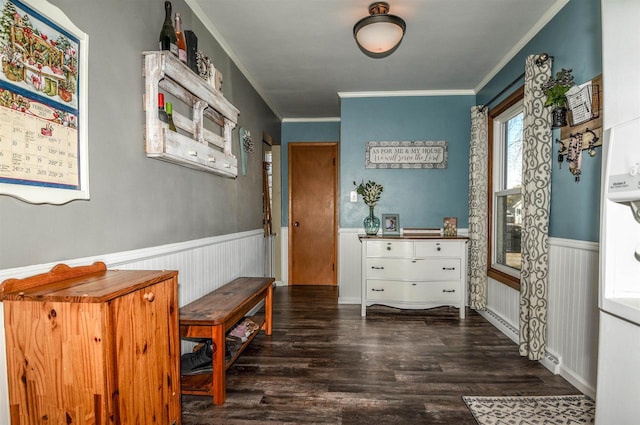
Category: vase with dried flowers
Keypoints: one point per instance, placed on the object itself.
(370, 192)
(556, 89)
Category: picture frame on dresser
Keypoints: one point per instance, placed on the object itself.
(390, 224)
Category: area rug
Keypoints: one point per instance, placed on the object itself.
(544, 410)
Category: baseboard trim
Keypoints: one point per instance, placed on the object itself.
(551, 360)
(501, 324)
(348, 300)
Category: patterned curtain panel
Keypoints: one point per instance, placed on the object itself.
(478, 230)
(536, 194)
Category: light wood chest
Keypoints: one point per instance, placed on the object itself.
(87, 345)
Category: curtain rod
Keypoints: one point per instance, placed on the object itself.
(544, 57)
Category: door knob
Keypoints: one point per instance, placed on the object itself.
(296, 224)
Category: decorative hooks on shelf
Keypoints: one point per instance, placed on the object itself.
(592, 143)
(573, 146)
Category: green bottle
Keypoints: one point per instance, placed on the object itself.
(169, 109)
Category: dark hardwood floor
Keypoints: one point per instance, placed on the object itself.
(324, 364)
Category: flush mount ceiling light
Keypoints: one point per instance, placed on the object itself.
(380, 34)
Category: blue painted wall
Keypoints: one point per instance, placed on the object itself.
(574, 38)
(316, 131)
(422, 197)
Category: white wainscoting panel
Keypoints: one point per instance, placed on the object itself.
(504, 301)
(284, 255)
(573, 310)
(572, 317)
(349, 266)
(203, 265)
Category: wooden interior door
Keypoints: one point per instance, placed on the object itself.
(313, 187)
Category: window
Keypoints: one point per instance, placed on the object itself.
(505, 203)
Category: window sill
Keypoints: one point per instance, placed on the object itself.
(504, 278)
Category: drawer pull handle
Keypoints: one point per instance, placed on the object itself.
(448, 290)
(388, 248)
(438, 249)
(377, 290)
(448, 268)
(149, 296)
(377, 268)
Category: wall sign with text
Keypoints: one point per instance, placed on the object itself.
(43, 104)
(406, 155)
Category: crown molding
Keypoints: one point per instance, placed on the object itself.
(406, 93)
(553, 11)
(200, 14)
(325, 119)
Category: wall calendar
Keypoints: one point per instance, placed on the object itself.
(43, 134)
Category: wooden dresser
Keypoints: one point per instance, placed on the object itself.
(414, 273)
(86, 345)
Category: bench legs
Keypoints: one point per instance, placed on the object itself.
(268, 311)
(219, 361)
(219, 369)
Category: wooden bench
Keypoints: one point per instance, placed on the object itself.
(211, 316)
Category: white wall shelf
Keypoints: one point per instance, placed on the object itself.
(193, 146)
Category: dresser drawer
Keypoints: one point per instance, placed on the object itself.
(438, 249)
(387, 290)
(390, 249)
(413, 269)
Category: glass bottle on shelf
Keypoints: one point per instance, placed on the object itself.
(169, 111)
(162, 114)
(182, 44)
(168, 39)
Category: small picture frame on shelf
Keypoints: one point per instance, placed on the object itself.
(450, 226)
(391, 224)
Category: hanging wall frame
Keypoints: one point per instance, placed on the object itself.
(246, 147)
(43, 104)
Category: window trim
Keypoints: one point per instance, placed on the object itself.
(492, 272)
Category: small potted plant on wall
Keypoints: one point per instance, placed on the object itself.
(556, 89)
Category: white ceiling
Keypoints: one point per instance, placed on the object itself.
(299, 54)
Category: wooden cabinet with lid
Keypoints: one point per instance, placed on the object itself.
(87, 345)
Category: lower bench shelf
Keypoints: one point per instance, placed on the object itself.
(202, 383)
(212, 316)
